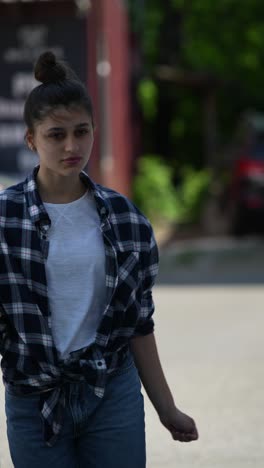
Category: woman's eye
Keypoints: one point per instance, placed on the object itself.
(57, 136)
(82, 132)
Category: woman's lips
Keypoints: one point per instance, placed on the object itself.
(72, 160)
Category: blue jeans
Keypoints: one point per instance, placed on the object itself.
(97, 433)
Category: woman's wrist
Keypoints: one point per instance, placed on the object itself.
(165, 406)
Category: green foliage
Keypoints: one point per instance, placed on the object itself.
(219, 39)
(147, 97)
(156, 196)
(153, 190)
(226, 38)
(146, 18)
(192, 193)
(153, 18)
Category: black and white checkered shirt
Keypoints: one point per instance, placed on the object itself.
(30, 362)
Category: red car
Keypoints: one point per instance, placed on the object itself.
(246, 191)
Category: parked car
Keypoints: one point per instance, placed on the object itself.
(246, 188)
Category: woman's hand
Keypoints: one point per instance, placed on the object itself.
(181, 426)
(145, 353)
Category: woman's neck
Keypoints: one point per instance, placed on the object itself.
(60, 191)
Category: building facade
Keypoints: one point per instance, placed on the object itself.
(93, 36)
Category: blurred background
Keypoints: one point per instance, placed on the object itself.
(178, 96)
(178, 92)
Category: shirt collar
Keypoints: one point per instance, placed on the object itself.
(35, 205)
(99, 197)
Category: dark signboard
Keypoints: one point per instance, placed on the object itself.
(21, 42)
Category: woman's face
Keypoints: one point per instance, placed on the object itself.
(63, 141)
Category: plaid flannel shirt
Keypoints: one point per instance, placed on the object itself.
(30, 362)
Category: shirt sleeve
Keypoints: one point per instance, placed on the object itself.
(145, 324)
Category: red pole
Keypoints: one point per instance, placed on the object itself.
(109, 84)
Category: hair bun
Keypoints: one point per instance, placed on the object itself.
(48, 69)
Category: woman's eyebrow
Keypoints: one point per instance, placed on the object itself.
(52, 129)
(56, 129)
(83, 124)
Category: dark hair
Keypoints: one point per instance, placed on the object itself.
(59, 87)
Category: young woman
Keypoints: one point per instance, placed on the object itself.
(77, 264)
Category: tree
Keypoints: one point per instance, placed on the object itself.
(219, 43)
(223, 39)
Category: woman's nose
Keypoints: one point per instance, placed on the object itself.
(71, 144)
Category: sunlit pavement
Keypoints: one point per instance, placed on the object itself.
(211, 345)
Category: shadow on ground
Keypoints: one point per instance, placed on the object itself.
(213, 261)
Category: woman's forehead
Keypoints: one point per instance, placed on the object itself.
(65, 117)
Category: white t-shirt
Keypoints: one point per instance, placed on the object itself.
(75, 271)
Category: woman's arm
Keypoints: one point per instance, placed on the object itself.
(146, 357)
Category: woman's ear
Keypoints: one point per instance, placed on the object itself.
(30, 140)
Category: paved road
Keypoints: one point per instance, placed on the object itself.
(211, 261)
(211, 345)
